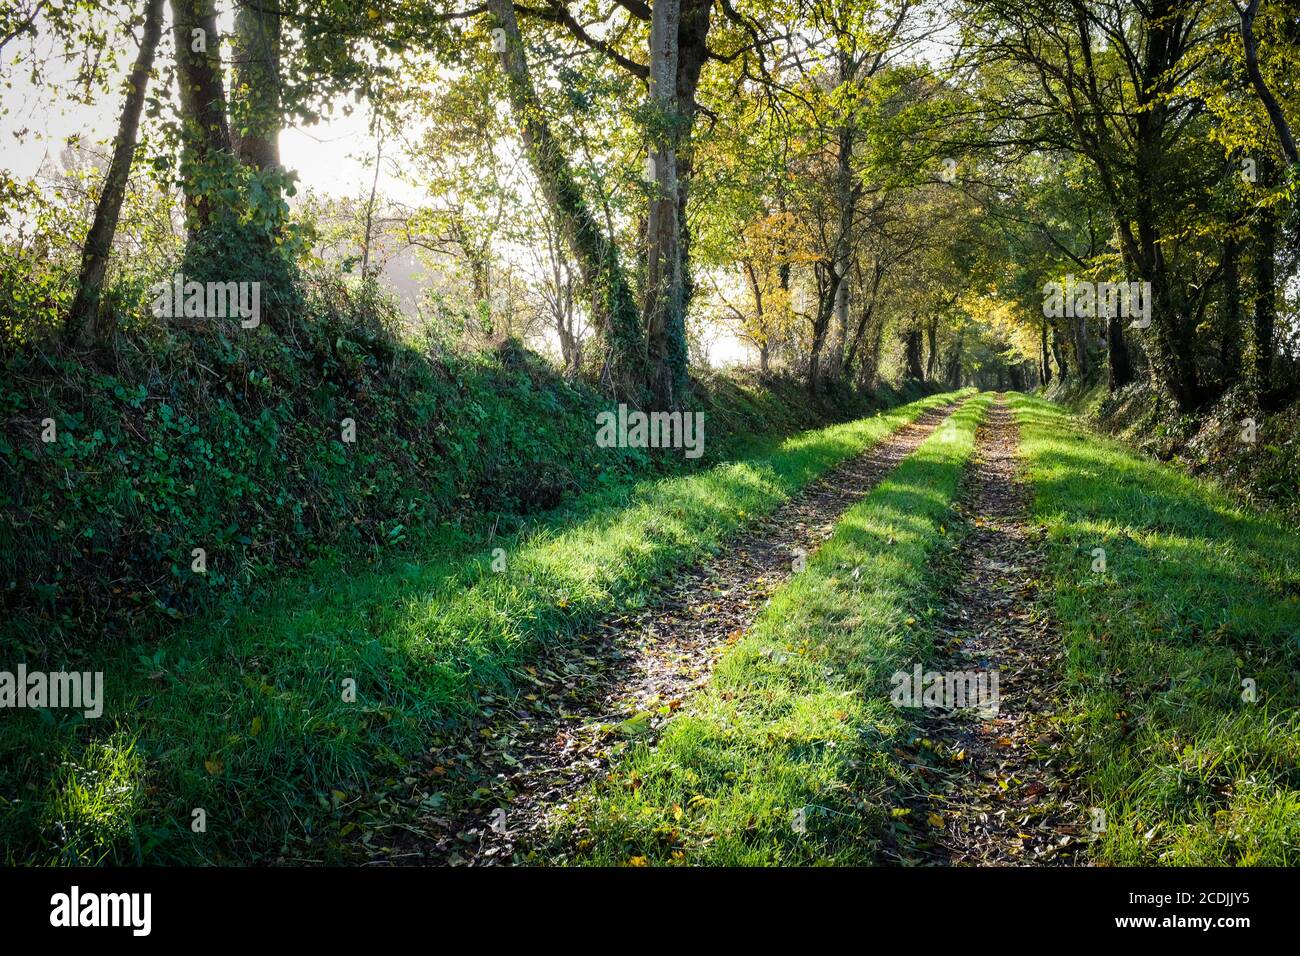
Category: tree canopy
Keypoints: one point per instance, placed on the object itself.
(839, 187)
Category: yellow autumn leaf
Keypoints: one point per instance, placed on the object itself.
(638, 861)
(214, 766)
(257, 726)
(935, 820)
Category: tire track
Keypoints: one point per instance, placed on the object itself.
(999, 781)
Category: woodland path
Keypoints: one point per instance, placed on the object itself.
(530, 756)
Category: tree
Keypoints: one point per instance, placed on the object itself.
(87, 321)
(255, 94)
(665, 282)
(1100, 80)
(596, 254)
(1247, 14)
(206, 129)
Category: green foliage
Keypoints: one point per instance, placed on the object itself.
(230, 440)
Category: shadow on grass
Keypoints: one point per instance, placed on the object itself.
(1183, 654)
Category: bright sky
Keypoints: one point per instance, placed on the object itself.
(329, 157)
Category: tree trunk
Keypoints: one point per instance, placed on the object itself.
(912, 343)
(952, 375)
(1271, 106)
(664, 282)
(86, 320)
(828, 288)
(1080, 331)
(255, 95)
(1266, 234)
(1119, 363)
(1174, 352)
(866, 315)
(760, 320)
(367, 237)
(869, 363)
(206, 137)
(932, 359)
(1046, 371)
(845, 200)
(1231, 334)
(692, 53)
(1062, 366)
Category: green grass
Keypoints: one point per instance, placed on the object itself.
(1197, 597)
(242, 714)
(798, 715)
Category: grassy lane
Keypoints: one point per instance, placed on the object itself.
(785, 756)
(245, 716)
(1183, 654)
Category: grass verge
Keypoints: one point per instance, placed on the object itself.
(1183, 653)
(246, 715)
(785, 757)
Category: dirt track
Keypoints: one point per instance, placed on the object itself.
(998, 782)
(633, 674)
